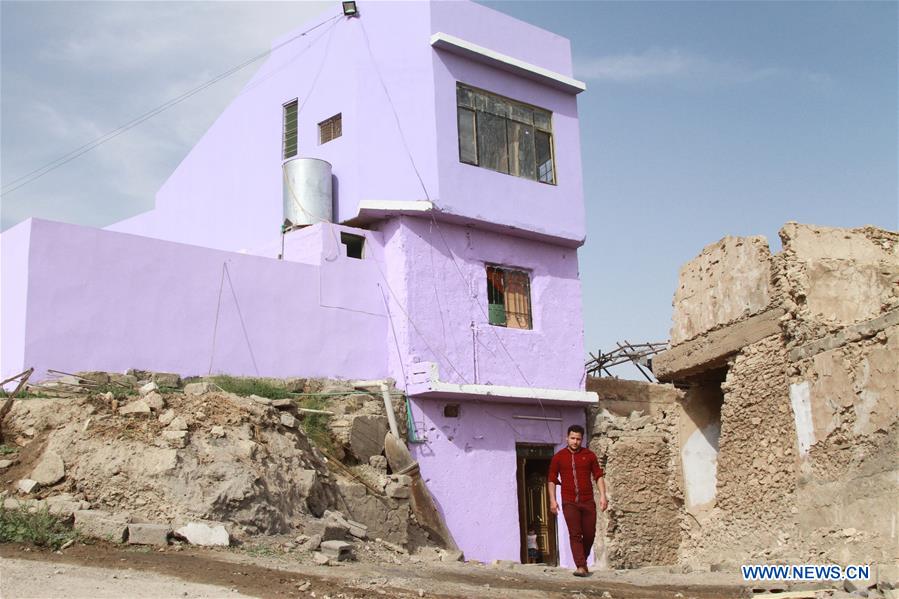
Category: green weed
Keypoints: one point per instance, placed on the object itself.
(247, 386)
(38, 528)
(316, 425)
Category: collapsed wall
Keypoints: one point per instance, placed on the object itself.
(788, 363)
(633, 432)
(171, 455)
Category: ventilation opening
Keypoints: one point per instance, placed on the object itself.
(355, 245)
(451, 410)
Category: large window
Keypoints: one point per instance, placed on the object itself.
(289, 130)
(509, 298)
(504, 135)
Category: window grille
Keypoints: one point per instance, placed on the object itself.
(504, 135)
(329, 129)
(289, 130)
(509, 298)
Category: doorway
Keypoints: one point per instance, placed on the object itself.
(533, 502)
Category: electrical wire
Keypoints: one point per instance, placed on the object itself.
(68, 157)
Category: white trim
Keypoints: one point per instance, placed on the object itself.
(396, 205)
(451, 43)
(424, 382)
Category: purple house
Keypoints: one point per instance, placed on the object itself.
(395, 194)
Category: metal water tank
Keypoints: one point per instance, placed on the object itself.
(307, 191)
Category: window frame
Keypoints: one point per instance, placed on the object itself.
(329, 122)
(296, 131)
(506, 271)
(493, 99)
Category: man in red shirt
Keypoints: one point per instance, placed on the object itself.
(573, 466)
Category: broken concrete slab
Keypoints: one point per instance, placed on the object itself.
(396, 491)
(321, 559)
(149, 534)
(339, 550)
(366, 436)
(138, 406)
(288, 420)
(148, 388)
(179, 423)
(102, 525)
(200, 388)
(201, 533)
(49, 470)
(27, 485)
(166, 417)
(283, 404)
(360, 531)
(155, 401)
(261, 400)
(166, 379)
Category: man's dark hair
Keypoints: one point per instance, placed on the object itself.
(575, 428)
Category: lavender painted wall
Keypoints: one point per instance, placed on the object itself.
(443, 288)
(226, 194)
(112, 301)
(470, 466)
(14, 249)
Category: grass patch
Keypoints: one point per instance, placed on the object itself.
(247, 386)
(316, 425)
(117, 391)
(8, 449)
(38, 528)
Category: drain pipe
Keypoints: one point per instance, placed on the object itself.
(388, 401)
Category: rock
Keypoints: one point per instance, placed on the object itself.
(149, 534)
(101, 378)
(200, 533)
(283, 404)
(262, 400)
(4, 464)
(321, 559)
(402, 479)
(200, 388)
(396, 491)
(217, 431)
(175, 438)
(288, 420)
(138, 406)
(452, 555)
(360, 531)
(177, 424)
(378, 462)
(312, 543)
(63, 506)
(328, 528)
(128, 380)
(366, 436)
(309, 486)
(148, 388)
(26, 486)
(155, 401)
(339, 550)
(166, 379)
(166, 418)
(503, 564)
(102, 525)
(852, 586)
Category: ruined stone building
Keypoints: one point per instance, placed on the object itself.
(377, 202)
(776, 435)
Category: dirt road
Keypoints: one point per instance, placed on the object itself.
(109, 571)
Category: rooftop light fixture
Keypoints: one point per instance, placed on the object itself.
(350, 10)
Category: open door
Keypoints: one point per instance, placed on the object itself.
(533, 503)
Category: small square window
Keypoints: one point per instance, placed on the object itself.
(329, 129)
(509, 298)
(355, 245)
(451, 410)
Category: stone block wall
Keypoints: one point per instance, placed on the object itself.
(632, 432)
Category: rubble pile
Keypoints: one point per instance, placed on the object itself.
(145, 458)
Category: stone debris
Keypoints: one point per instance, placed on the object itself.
(27, 485)
(200, 533)
(155, 401)
(321, 559)
(4, 464)
(166, 379)
(283, 404)
(339, 550)
(396, 490)
(200, 388)
(378, 462)
(288, 420)
(179, 423)
(261, 400)
(360, 531)
(167, 417)
(148, 388)
(175, 438)
(149, 534)
(103, 525)
(217, 431)
(138, 406)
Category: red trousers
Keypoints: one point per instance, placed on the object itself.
(581, 520)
